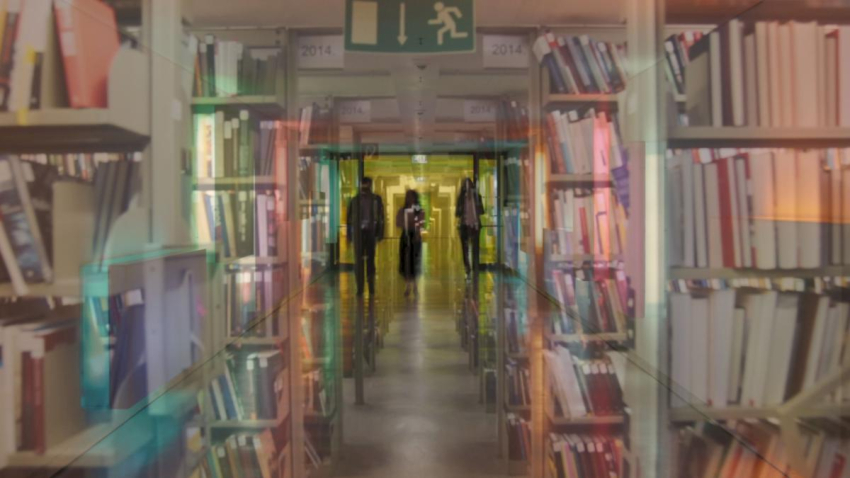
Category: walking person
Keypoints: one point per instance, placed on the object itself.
(366, 229)
(410, 219)
(468, 211)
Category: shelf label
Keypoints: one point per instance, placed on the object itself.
(410, 26)
(505, 51)
(359, 111)
(320, 52)
(479, 111)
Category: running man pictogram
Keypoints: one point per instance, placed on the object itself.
(445, 18)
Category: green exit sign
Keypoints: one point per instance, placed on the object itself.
(410, 26)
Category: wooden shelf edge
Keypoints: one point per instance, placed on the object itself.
(683, 273)
(601, 337)
(579, 179)
(745, 136)
(553, 99)
(585, 421)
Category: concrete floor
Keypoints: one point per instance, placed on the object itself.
(422, 416)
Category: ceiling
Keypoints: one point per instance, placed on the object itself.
(330, 13)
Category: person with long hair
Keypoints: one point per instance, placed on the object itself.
(410, 219)
(468, 211)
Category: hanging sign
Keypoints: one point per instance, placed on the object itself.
(358, 111)
(320, 52)
(505, 51)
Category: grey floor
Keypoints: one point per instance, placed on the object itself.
(422, 417)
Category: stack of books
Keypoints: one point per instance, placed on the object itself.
(581, 65)
(518, 380)
(237, 144)
(583, 387)
(519, 437)
(770, 74)
(254, 386)
(40, 398)
(754, 348)
(677, 55)
(759, 208)
(251, 294)
(245, 222)
(228, 68)
(78, 165)
(55, 54)
(755, 448)
(587, 456)
(243, 455)
(598, 298)
(586, 142)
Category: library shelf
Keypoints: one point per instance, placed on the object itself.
(255, 261)
(600, 337)
(267, 104)
(584, 179)
(244, 424)
(555, 99)
(713, 13)
(584, 421)
(94, 447)
(64, 288)
(66, 129)
(231, 182)
(751, 137)
(682, 273)
(697, 413)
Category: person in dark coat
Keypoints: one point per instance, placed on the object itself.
(468, 211)
(366, 229)
(410, 219)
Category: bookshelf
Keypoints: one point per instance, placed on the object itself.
(798, 417)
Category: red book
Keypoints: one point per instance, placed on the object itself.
(727, 215)
(556, 155)
(88, 37)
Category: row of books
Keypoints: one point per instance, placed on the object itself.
(231, 144)
(580, 65)
(251, 296)
(317, 399)
(595, 300)
(583, 387)
(518, 381)
(517, 331)
(79, 165)
(254, 386)
(39, 377)
(229, 68)
(754, 348)
(587, 456)
(519, 437)
(55, 54)
(759, 208)
(755, 449)
(315, 126)
(677, 55)
(586, 142)
(587, 221)
(770, 74)
(514, 118)
(244, 222)
(247, 455)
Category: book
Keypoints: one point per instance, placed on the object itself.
(581, 65)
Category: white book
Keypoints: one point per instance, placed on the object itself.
(573, 390)
(680, 348)
(744, 220)
(844, 76)
(700, 357)
(805, 79)
(774, 74)
(713, 222)
(700, 217)
(781, 348)
(761, 193)
(720, 338)
(736, 71)
(588, 130)
(731, 175)
(763, 75)
(785, 73)
(689, 211)
(828, 349)
(760, 310)
(736, 367)
(809, 214)
(262, 225)
(751, 93)
(816, 342)
(786, 208)
(218, 142)
(715, 54)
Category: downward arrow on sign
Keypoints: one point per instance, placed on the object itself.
(402, 26)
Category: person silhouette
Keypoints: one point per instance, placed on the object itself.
(445, 18)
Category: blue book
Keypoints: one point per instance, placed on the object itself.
(544, 55)
(227, 398)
